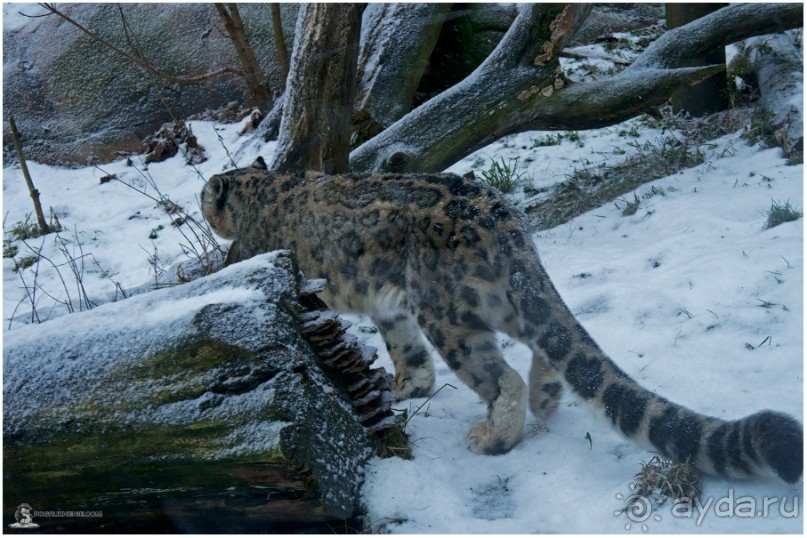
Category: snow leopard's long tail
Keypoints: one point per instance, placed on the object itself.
(766, 443)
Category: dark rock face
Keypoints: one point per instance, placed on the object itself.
(75, 101)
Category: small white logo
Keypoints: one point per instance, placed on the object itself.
(639, 510)
(24, 517)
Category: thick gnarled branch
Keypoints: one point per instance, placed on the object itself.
(450, 125)
(396, 43)
(519, 87)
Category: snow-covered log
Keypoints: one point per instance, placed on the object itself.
(775, 63)
(396, 42)
(198, 408)
(520, 87)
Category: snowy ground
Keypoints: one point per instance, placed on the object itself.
(674, 294)
(690, 295)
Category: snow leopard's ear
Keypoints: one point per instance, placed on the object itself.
(259, 163)
(216, 191)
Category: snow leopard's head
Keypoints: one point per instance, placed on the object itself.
(220, 201)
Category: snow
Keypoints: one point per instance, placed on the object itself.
(110, 222)
(690, 295)
(13, 18)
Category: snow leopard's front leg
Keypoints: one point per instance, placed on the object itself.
(414, 371)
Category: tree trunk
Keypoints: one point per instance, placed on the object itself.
(518, 88)
(230, 416)
(775, 64)
(315, 129)
(253, 75)
(396, 42)
(710, 95)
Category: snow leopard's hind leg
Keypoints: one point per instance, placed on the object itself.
(470, 349)
(414, 371)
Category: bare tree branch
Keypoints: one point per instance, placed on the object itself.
(454, 123)
(130, 39)
(40, 217)
(718, 29)
(280, 44)
(252, 73)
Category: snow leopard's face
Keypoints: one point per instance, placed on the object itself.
(217, 200)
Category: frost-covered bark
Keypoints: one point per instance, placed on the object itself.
(458, 120)
(518, 87)
(396, 42)
(775, 63)
(180, 409)
(315, 129)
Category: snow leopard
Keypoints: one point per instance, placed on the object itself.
(449, 258)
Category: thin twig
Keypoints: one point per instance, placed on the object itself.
(69, 302)
(130, 39)
(424, 403)
(40, 217)
(226, 149)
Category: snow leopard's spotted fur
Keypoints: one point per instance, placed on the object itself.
(443, 256)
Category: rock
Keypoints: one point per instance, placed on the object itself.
(75, 101)
(197, 408)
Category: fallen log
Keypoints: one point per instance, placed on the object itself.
(200, 408)
(774, 65)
